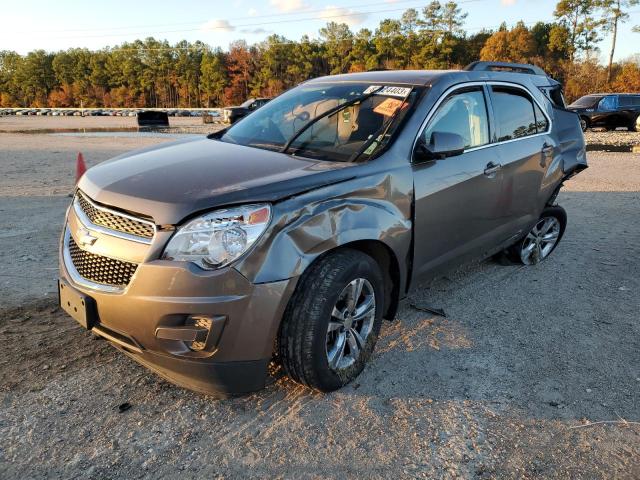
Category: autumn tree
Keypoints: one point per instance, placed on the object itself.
(515, 45)
(239, 71)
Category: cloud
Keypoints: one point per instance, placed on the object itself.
(252, 12)
(255, 31)
(218, 26)
(342, 15)
(508, 3)
(288, 5)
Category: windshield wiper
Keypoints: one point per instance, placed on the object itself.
(328, 113)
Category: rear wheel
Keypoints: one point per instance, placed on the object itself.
(542, 239)
(584, 124)
(332, 322)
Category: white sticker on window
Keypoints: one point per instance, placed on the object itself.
(400, 92)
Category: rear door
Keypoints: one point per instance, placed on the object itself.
(606, 113)
(457, 204)
(526, 151)
(629, 106)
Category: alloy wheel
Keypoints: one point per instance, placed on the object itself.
(351, 323)
(540, 241)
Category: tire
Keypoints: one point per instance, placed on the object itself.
(584, 124)
(305, 343)
(522, 251)
(635, 125)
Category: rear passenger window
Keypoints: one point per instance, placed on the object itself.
(625, 101)
(463, 113)
(629, 101)
(542, 124)
(515, 117)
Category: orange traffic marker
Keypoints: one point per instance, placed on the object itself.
(80, 167)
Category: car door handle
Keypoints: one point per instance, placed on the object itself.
(492, 168)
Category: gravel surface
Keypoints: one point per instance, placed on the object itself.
(507, 385)
(617, 138)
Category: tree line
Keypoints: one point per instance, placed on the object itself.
(154, 73)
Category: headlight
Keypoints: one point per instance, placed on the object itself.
(218, 238)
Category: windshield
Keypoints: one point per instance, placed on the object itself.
(340, 136)
(586, 102)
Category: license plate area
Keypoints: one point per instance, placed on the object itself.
(80, 307)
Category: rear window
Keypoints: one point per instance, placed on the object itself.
(515, 116)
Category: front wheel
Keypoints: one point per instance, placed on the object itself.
(331, 324)
(542, 239)
(635, 126)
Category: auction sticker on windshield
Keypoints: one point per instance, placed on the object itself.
(400, 92)
(388, 107)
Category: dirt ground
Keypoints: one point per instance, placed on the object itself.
(508, 385)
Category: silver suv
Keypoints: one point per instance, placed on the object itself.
(292, 234)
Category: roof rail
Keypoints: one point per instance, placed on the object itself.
(512, 67)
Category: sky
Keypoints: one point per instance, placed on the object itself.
(55, 25)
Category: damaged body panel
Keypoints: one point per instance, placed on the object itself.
(317, 213)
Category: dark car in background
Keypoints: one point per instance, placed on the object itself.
(231, 115)
(608, 110)
(293, 233)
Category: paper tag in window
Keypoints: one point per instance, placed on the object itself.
(388, 107)
(400, 92)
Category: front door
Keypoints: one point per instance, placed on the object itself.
(457, 199)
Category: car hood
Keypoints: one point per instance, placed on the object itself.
(172, 181)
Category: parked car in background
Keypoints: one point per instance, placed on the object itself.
(231, 115)
(608, 110)
(299, 229)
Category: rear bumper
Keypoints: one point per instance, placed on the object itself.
(165, 295)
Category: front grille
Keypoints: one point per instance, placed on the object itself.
(113, 221)
(99, 269)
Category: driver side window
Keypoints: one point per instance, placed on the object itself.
(463, 113)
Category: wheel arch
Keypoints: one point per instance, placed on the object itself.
(389, 266)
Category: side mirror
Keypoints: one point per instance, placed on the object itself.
(441, 145)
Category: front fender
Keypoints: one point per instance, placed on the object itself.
(309, 225)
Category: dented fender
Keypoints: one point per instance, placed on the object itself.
(376, 209)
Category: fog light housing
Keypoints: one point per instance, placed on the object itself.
(201, 323)
(199, 334)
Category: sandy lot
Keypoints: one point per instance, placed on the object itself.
(506, 386)
(14, 123)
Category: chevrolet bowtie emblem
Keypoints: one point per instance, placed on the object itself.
(85, 238)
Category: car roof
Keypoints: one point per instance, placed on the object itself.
(430, 77)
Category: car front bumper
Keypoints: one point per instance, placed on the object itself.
(148, 318)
